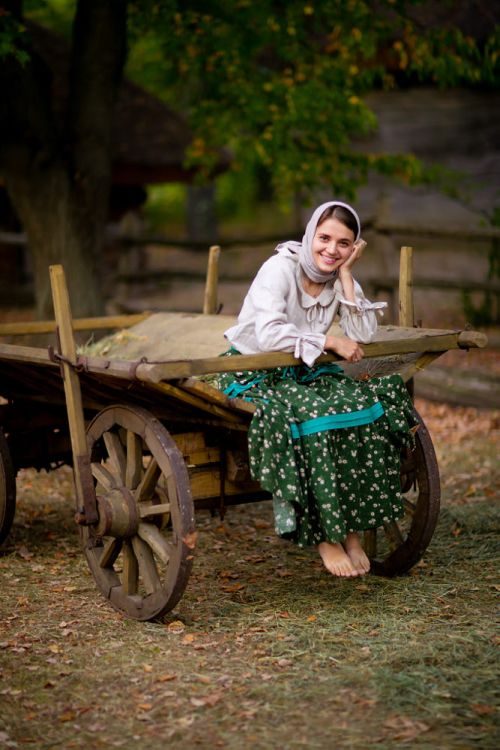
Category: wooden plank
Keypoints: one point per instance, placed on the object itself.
(209, 393)
(210, 299)
(391, 340)
(422, 362)
(206, 483)
(406, 315)
(197, 402)
(25, 328)
(84, 485)
(174, 370)
(30, 354)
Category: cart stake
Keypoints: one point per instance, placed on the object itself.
(84, 484)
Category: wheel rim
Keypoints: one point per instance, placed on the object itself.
(7, 489)
(398, 546)
(140, 551)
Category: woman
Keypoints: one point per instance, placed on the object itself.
(326, 446)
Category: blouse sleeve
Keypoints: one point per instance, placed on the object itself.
(273, 328)
(358, 320)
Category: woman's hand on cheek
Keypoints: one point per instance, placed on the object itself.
(357, 252)
(346, 348)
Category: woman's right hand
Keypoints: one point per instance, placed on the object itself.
(346, 348)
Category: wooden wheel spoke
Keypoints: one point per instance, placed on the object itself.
(408, 464)
(116, 454)
(147, 486)
(409, 507)
(393, 533)
(154, 538)
(133, 471)
(104, 477)
(110, 552)
(130, 578)
(147, 509)
(370, 542)
(147, 566)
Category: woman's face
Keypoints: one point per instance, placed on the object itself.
(332, 244)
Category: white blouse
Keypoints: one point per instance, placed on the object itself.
(279, 315)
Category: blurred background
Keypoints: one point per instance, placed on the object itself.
(136, 135)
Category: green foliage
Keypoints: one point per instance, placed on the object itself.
(285, 82)
(166, 205)
(12, 35)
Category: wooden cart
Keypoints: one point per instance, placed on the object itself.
(150, 443)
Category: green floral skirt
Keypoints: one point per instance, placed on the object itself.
(326, 446)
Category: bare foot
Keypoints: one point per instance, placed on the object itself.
(356, 553)
(336, 561)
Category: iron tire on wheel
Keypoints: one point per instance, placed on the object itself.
(397, 547)
(140, 552)
(7, 489)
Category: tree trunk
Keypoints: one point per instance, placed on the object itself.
(58, 173)
(56, 234)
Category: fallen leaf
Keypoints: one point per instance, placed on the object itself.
(483, 709)
(176, 626)
(209, 700)
(404, 728)
(312, 618)
(147, 668)
(167, 677)
(67, 716)
(24, 553)
(145, 706)
(231, 587)
(284, 573)
(190, 539)
(228, 574)
(259, 523)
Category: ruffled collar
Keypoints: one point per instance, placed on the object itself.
(315, 307)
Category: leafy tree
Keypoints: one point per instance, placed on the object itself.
(281, 82)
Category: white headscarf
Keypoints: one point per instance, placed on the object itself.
(304, 249)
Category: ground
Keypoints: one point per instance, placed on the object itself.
(265, 649)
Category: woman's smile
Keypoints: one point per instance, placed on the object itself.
(332, 244)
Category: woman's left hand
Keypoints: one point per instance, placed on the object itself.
(357, 252)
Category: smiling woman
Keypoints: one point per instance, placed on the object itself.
(326, 446)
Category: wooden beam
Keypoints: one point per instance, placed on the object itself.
(84, 483)
(406, 315)
(26, 328)
(398, 341)
(210, 301)
(177, 369)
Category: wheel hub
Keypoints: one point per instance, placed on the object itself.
(118, 514)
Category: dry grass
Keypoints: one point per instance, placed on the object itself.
(265, 650)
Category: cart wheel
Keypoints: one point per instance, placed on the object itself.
(141, 549)
(7, 489)
(397, 546)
